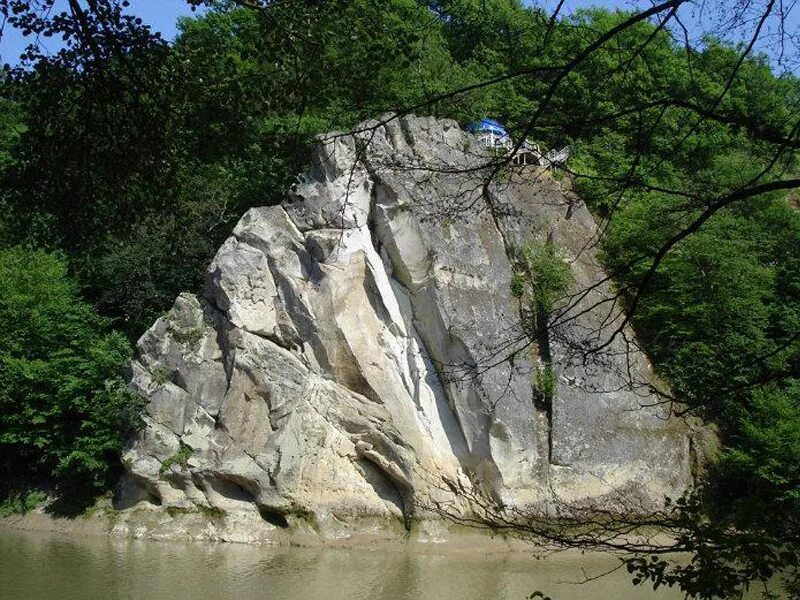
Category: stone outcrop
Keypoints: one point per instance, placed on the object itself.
(358, 356)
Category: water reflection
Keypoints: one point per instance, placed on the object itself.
(52, 567)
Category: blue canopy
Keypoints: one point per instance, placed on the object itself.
(487, 125)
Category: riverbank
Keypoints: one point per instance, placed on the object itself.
(251, 528)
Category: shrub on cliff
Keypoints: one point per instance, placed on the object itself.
(65, 410)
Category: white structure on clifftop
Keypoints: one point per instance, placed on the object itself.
(493, 136)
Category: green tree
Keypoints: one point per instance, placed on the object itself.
(542, 279)
(65, 410)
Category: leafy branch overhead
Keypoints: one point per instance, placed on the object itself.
(125, 160)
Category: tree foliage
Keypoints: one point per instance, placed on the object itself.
(65, 410)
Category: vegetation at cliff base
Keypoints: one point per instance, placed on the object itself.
(18, 503)
(125, 162)
(65, 410)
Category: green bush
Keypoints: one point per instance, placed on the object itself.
(766, 452)
(180, 458)
(546, 382)
(65, 410)
(517, 285)
(19, 503)
(546, 274)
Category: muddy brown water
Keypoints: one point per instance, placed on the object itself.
(48, 566)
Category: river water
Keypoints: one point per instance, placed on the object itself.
(36, 566)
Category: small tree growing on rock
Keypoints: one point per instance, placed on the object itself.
(542, 278)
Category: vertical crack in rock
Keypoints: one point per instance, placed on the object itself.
(542, 403)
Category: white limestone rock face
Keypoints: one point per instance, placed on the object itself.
(347, 363)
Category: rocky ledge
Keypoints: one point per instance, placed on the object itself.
(350, 363)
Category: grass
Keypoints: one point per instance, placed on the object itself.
(546, 382)
(210, 512)
(21, 502)
(188, 337)
(517, 285)
(181, 458)
(160, 375)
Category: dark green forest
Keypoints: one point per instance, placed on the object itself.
(125, 162)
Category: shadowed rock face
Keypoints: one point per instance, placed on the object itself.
(347, 360)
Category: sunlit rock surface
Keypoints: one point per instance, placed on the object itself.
(349, 362)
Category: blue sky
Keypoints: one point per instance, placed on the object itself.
(162, 15)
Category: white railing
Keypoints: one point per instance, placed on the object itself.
(529, 153)
(557, 157)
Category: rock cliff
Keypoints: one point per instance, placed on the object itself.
(351, 358)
